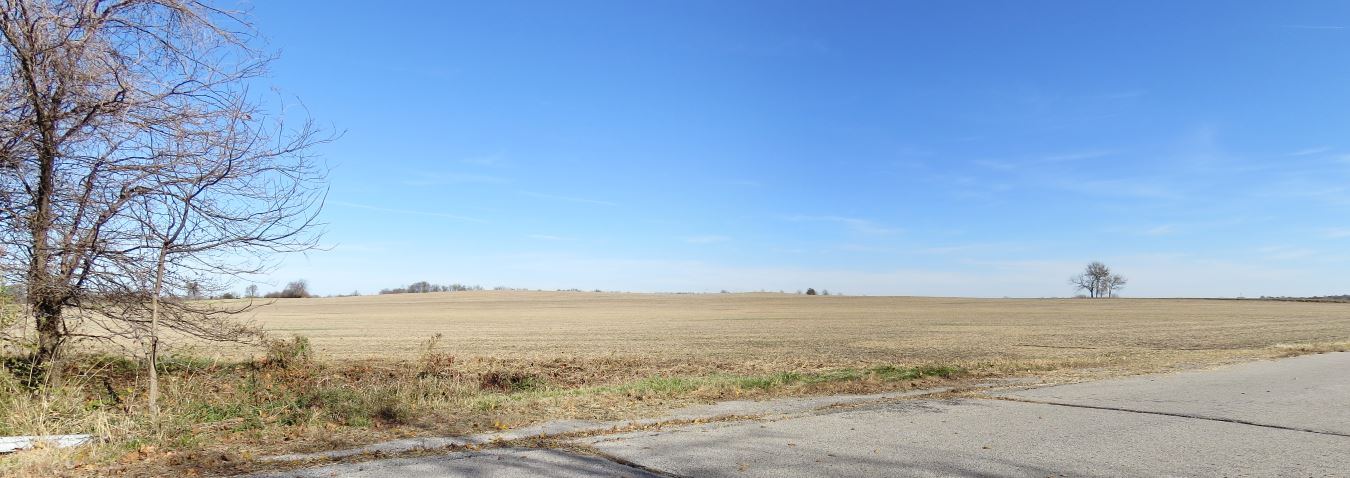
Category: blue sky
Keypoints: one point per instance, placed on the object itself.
(897, 148)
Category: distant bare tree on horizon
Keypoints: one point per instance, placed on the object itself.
(1113, 284)
(1098, 281)
(297, 289)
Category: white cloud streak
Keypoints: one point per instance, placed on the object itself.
(554, 197)
(439, 179)
(862, 226)
(1310, 151)
(1336, 232)
(409, 212)
(706, 239)
(1313, 27)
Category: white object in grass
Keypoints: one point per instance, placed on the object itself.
(12, 444)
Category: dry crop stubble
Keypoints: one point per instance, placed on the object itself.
(756, 333)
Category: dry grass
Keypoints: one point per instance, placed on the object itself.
(508, 359)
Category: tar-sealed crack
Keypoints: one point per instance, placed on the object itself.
(635, 465)
(1178, 415)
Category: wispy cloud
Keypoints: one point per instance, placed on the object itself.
(999, 248)
(863, 226)
(745, 183)
(1123, 95)
(549, 237)
(706, 239)
(360, 248)
(1163, 230)
(949, 249)
(1124, 187)
(1336, 232)
(489, 160)
(409, 212)
(995, 164)
(1314, 27)
(864, 248)
(1311, 189)
(554, 197)
(1310, 151)
(439, 179)
(1049, 159)
(1285, 253)
(1075, 156)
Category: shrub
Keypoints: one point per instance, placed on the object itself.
(509, 381)
(435, 363)
(283, 353)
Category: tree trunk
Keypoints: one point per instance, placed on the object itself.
(43, 294)
(51, 334)
(153, 396)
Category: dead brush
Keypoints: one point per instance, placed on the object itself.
(283, 353)
(434, 362)
(508, 381)
(1294, 350)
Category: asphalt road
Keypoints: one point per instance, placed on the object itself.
(1281, 418)
(1307, 393)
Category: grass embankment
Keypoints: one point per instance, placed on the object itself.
(219, 417)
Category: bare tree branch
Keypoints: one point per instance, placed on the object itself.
(135, 165)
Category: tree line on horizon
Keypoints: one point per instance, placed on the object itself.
(422, 287)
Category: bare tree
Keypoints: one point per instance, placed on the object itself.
(420, 287)
(1089, 279)
(1097, 280)
(1113, 284)
(251, 291)
(195, 224)
(134, 161)
(298, 289)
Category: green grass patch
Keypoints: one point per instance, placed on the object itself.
(672, 386)
(659, 385)
(769, 382)
(892, 373)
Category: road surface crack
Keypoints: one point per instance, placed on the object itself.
(590, 450)
(1178, 415)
